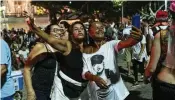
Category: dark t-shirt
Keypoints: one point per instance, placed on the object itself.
(72, 64)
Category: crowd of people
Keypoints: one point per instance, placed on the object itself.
(77, 61)
(20, 43)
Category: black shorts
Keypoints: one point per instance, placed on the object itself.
(163, 90)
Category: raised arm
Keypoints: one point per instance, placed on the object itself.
(63, 46)
(135, 37)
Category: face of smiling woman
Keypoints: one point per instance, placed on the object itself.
(97, 31)
(59, 32)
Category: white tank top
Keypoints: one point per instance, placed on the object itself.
(170, 58)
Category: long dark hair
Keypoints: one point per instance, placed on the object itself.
(66, 24)
(86, 38)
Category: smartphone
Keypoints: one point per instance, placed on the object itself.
(136, 20)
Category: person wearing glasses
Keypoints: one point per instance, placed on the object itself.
(42, 60)
(72, 85)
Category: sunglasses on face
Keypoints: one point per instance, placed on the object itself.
(59, 30)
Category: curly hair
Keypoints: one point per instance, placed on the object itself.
(86, 39)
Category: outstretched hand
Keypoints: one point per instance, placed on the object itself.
(135, 37)
(29, 19)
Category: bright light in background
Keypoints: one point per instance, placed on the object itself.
(118, 2)
(2, 8)
(70, 2)
(19, 7)
(2, 11)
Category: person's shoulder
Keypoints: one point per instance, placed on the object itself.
(163, 32)
(39, 45)
(3, 42)
(113, 41)
(38, 49)
(157, 35)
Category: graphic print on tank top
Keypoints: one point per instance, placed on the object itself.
(97, 62)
